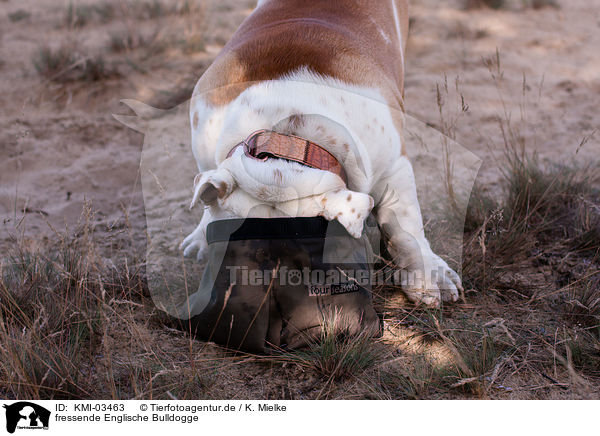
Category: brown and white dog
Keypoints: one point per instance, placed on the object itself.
(329, 71)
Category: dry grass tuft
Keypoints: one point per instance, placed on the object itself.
(128, 41)
(338, 354)
(546, 210)
(77, 16)
(504, 4)
(50, 320)
(539, 4)
(65, 64)
(54, 306)
(50, 63)
(19, 15)
(478, 355)
(558, 202)
(475, 4)
(189, 39)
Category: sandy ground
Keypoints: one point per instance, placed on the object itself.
(548, 81)
(60, 145)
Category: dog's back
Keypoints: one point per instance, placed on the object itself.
(359, 42)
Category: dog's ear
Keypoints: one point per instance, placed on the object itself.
(350, 208)
(212, 186)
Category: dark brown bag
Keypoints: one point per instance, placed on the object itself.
(275, 283)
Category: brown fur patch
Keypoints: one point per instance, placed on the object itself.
(213, 192)
(349, 197)
(222, 189)
(315, 39)
(295, 122)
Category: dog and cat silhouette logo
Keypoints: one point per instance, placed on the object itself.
(26, 415)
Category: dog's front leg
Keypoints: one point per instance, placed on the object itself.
(195, 243)
(428, 277)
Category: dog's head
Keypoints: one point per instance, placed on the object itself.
(243, 187)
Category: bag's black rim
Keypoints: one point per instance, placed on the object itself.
(240, 229)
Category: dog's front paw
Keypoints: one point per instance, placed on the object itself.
(448, 282)
(443, 278)
(437, 283)
(195, 244)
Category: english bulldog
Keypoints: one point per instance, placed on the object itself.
(301, 114)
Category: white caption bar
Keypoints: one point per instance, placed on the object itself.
(282, 417)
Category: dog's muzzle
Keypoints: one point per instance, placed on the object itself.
(278, 283)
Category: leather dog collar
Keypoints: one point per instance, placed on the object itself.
(265, 144)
